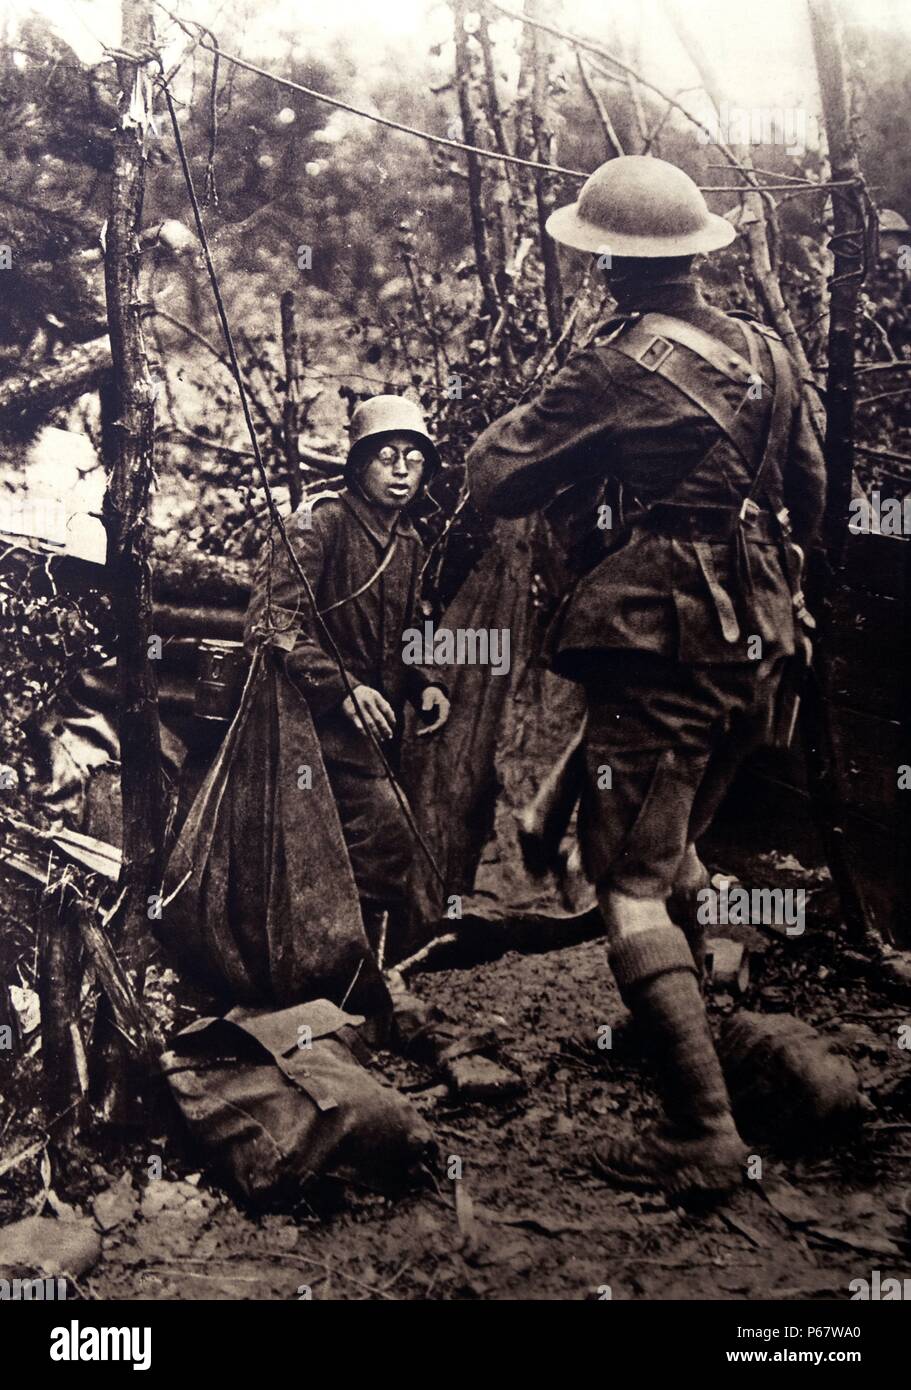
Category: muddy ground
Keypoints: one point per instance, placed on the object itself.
(532, 1221)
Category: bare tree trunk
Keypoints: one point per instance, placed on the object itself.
(290, 406)
(553, 288)
(494, 112)
(523, 137)
(611, 138)
(475, 185)
(849, 256)
(129, 437)
(848, 247)
(503, 231)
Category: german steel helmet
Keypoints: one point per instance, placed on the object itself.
(382, 415)
(638, 206)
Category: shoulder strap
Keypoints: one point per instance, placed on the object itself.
(652, 342)
(368, 583)
(779, 418)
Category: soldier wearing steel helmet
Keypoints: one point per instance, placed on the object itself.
(362, 556)
(688, 431)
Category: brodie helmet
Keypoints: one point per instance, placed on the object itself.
(636, 206)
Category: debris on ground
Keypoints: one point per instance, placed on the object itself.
(517, 1212)
(41, 1243)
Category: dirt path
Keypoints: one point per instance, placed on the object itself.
(533, 1222)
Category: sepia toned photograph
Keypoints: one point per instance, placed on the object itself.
(455, 738)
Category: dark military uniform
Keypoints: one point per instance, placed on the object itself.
(342, 547)
(661, 621)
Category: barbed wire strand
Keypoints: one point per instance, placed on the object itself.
(445, 141)
(387, 121)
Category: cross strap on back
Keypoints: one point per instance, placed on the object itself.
(652, 342)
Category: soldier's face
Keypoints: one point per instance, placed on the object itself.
(392, 476)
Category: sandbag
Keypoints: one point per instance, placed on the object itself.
(260, 904)
(786, 1084)
(276, 1099)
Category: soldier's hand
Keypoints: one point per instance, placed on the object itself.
(368, 709)
(434, 701)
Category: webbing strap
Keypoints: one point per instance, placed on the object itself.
(390, 551)
(724, 606)
(780, 418)
(652, 343)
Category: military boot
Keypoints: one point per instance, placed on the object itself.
(697, 1149)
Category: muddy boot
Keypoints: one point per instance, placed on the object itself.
(698, 1148)
(683, 907)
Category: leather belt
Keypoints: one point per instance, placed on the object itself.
(707, 523)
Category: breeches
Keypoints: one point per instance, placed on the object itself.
(376, 833)
(663, 742)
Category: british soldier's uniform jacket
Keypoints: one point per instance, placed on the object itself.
(662, 618)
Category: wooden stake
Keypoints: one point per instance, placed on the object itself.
(291, 406)
(475, 186)
(128, 432)
(129, 439)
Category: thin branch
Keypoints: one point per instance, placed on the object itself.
(475, 185)
(611, 138)
(371, 116)
(882, 453)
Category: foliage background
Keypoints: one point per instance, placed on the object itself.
(391, 301)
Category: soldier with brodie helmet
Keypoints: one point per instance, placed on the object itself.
(685, 620)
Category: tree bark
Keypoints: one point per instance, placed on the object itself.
(290, 407)
(129, 457)
(475, 185)
(504, 230)
(553, 288)
(848, 249)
